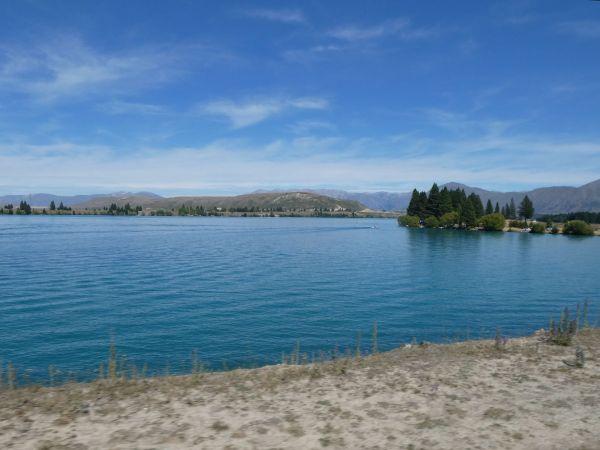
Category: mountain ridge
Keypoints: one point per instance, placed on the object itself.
(546, 200)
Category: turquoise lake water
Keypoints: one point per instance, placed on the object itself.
(243, 290)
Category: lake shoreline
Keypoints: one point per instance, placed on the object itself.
(364, 214)
(518, 394)
(342, 215)
(508, 229)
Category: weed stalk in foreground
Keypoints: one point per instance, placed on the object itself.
(374, 346)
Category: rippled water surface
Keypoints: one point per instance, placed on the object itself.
(244, 290)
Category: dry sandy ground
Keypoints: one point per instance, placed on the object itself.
(460, 396)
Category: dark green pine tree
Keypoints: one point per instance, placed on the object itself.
(477, 205)
(469, 215)
(445, 201)
(512, 209)
(503, 211)
(526, 208)
(24, 207)
(422, 204)
(489, 209)
(433, 202)
(458, 197)
(413, 206)
(52, 206)
(497, 208)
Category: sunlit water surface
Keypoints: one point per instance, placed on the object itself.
(243, 290)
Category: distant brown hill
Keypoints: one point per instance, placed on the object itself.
(547, 200)
(271, 200)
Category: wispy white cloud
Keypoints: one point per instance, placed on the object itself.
(67, 67)
(400, 27)
(250, 112)
(308, 103)
(293, 16)
(469, 46)
(481, 152)
(309, 54)
(118, 107)
(465, 124)
(589, 29)
(516, 12)
(306, 126)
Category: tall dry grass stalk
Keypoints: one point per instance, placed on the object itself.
(374, 339)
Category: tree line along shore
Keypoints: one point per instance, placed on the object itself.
(453, 208)
(188, 210)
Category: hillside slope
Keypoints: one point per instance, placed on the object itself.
(271, 200)
(382, 201)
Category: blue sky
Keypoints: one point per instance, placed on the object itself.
(195, 97)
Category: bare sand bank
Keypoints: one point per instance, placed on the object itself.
(460, 396)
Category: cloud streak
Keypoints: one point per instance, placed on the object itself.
(291, 16)
(400, 27)
(587, 29)
(118, 107)
(67, 68)
(250, 112)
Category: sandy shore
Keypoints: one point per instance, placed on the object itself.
(459, 396)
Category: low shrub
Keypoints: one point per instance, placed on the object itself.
(538, 227)
(492, 222)
(448, 220)
(578, 227)
(562, 332)
(432, 222)
(409, 221)
(554, 230)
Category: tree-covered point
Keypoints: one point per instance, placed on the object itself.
(454, 208)
(586, 216)
(448, 208)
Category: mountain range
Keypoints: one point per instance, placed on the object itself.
(546, 200)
